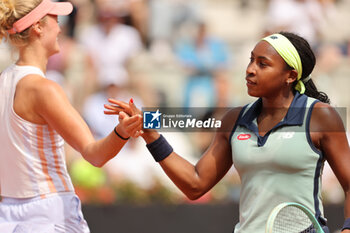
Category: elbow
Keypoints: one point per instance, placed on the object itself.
(194, 193)
(193, 197)
(97, 164)
(94, 161)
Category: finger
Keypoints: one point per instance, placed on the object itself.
(123, 115)
(118, 103)
(110, 113)
(138, 133)
(128, 121)
(121, 104)
(112, 107)
(133, 107)
(134, 129)
(112, 110)
(132, 126)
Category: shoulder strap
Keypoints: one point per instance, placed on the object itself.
(241, 113)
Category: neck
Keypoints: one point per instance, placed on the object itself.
(32, 55)
(272, 106)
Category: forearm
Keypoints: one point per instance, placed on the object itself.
(180, 171)
(99, 152)
(184, 175)
(150, 135)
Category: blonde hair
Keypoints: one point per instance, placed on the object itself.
(10, 12)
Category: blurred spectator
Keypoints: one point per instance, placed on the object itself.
(135, 14)
(303, 17)
(110, 43)
(247, 4)
(166, 21)
(203, 57)
(347, 48)
(332, 191)
(70, 66)
(332, 74)
(166, 17)
(99, 123)
(5, 55)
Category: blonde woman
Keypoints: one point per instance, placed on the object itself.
(35, 119)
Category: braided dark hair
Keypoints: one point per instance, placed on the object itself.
(308, 61)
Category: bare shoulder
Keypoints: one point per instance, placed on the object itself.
(34, 94)
(230, 119)
(41, 87)
(324, 117)
(232, 115)
(37, 83)
(43, 92)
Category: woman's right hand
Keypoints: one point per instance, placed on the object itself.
(130, 126)
(130, 117)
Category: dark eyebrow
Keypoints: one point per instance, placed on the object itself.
(260, 57)
(263, 58)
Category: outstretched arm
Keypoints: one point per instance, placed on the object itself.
(195, 180)
(53, 106)
(192, 180)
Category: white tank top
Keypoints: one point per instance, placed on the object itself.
(32, 160)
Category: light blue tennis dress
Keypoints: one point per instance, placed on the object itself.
(282, 166)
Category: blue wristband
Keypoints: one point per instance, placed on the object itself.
(346, 224)
(160, 149)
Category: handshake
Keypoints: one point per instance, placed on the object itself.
(130, 118)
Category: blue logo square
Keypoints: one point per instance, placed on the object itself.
(151, 120)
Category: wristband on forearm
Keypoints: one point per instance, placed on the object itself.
(346, 224)
(160, 149)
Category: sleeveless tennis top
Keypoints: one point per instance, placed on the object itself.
(32, 155)
(282, 166)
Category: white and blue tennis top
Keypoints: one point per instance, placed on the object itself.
(282, 166)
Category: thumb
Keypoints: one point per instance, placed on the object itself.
(122, 115)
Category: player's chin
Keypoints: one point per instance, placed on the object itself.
(253, 93)
(54, 51)
(56, 48)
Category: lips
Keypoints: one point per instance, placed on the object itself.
(250, 82)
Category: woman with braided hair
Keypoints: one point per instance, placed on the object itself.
(278, 143)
